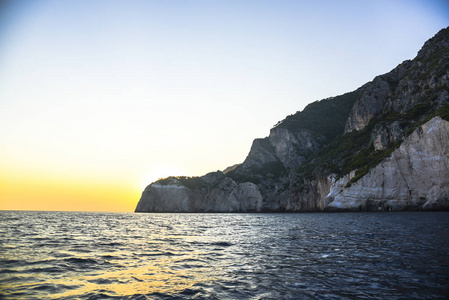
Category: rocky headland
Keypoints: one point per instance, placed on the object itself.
(382, 147)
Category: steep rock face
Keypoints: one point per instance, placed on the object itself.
(311, 197)
(228, 196)
(361, 150)
(415, 176)
(261, 153)
(369, 105)
(169, 197)
(292, 147)
(282, 145)
(409, 84)
(382, 136)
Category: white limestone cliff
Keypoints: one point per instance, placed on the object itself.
(173, 197)
(227, 196)
(415, 176)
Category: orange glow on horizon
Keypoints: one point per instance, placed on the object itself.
(30, 192)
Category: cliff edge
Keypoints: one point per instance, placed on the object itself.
(384, 146)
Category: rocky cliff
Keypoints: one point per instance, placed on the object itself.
(414, 176)
(221, 194)
(381, 147)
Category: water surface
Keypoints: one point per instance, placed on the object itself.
(66, 255)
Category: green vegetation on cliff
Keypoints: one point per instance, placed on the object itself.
(326, 117)
(271, 171)
(355, 150)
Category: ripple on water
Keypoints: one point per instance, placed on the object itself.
(233, 256)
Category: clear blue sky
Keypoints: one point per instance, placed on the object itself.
(128, 91)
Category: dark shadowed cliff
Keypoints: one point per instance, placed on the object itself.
(384, 146)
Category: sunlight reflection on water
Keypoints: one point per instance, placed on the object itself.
(109, 255)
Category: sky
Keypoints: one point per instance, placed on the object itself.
(99, 98)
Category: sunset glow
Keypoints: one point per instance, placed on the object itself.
(100, 98)
(31, 192)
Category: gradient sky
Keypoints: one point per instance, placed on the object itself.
(100, 98)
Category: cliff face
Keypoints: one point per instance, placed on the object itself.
(381, 147)
(414, 176)
(225, 195)
(423, 80)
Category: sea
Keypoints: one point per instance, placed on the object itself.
(91, 255)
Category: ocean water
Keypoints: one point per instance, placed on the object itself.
(78, 255)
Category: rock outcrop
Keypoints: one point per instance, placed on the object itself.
(382, 147)
(425, 79)
(414, 176)
(208, 194)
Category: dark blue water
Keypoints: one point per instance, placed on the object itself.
(66, 255)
